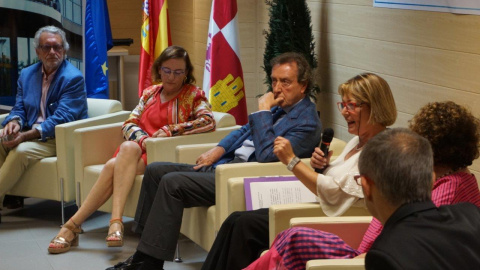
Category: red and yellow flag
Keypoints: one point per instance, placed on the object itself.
(155, 36)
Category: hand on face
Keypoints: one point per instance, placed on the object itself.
(286, 88)
(267, 101)
(283, 150)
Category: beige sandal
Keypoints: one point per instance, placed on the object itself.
(118, 242)
(60, 244)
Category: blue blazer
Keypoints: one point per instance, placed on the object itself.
(301, 126)
(66, 98)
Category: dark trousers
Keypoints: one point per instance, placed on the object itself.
(167, 189)
(240, 241)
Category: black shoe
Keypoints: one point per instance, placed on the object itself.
(13, 202)
(128, 264)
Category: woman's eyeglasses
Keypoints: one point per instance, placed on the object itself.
(349, 105)
(166, 71)
(358, 179)
(48, 48)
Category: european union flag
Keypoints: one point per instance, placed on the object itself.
(98, 40)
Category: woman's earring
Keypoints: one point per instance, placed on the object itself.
(185, 80)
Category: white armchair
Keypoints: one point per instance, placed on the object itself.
(96, 145)
(350, 229)
(200, 224)
(53, 178)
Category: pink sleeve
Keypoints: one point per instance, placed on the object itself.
(372, 233)
(444, 190)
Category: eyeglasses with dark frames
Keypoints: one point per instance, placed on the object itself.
(358, 179)
(48, 48)
(349, 105)
(177, 72)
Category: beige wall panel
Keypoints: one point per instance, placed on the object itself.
(183, 5)
(200, 50)
(261, 28)
(347, 2)
(315, 14)
(202, 9)
(201, 30)
(126, 20)
(261, 86)
(245, 36)
(402, 119)
(181, 22)
(133, 33)
(131, 63)
(409, 95)
(262, 12)
(247, 11)
(476, 168)
(252, 105)
(198, 73)
(449, 69)
(377, 56)
(250, 84)
(248, 59)
(429, 29)
(185, 40)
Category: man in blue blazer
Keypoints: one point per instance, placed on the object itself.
(49, 93)
(167, 187)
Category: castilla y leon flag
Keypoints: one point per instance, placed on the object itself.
(155, 35)
(223, 75)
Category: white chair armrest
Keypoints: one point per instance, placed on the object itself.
(95, 145)
(64, 134)
(189, 153)
(336, 264)
(164, 149)
(227, 171)
(280, 215)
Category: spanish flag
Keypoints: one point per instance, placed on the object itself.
(155, 36)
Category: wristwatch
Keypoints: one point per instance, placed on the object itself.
(292, 163)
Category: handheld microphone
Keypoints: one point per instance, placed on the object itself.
(327, 138)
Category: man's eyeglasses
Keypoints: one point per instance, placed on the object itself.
(358, 179)
(349, 105)
(48, 48)
(177, 72)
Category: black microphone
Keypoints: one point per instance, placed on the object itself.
(327, 138)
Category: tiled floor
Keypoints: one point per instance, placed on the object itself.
(25, 234)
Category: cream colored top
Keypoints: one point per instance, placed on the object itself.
(336, 189)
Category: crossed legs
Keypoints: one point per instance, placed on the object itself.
(115, 179)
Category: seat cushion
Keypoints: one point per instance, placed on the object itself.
(41, 181)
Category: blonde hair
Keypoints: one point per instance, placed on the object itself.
(371, 89)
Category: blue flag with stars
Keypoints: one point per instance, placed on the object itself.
(98, 40)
